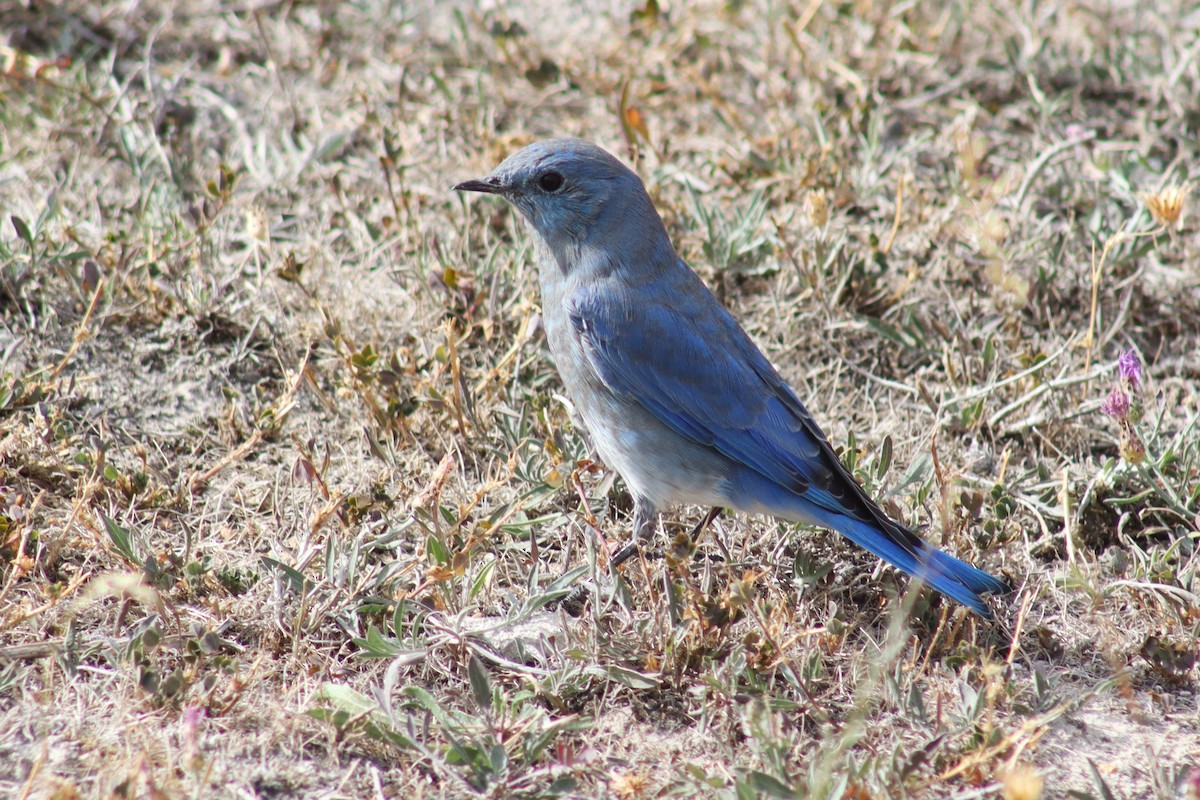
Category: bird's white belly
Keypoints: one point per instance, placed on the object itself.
(655, 462)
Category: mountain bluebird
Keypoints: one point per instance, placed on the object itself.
(676, 397)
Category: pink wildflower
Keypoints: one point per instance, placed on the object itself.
(1130, 367)
(1116, 405)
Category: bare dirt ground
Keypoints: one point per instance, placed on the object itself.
(288, 489)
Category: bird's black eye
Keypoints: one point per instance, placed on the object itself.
(550, 181)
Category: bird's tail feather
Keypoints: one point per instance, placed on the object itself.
(945, 573)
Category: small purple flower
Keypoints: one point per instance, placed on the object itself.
(191, 723)
(191, 720)
(1116, 405)
(1130, 367)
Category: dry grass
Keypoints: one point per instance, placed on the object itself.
(287, 489)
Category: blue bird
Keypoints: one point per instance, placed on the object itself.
(676, 397)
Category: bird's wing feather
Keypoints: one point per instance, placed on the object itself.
(688, 362)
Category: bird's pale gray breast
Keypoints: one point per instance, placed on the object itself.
(655, 462)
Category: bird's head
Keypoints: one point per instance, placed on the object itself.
(572, 192)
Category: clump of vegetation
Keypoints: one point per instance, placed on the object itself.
(291, 501)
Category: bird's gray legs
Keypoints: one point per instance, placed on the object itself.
(644, 517)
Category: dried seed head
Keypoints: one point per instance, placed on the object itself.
(630, 785)
(1022, 783)
(817, 207)
(1167, 204)
(1132, 448)
(1011, 288)
(256, 223)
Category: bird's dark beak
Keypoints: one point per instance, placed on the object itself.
(489, 185)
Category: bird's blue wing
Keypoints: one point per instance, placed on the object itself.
(686, 360)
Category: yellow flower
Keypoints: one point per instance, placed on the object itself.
(1167, 204)
(1022, 783)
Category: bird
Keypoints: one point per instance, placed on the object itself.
(675, 396)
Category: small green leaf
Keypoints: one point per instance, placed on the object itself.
(376, 645)
(885, 458)
(172, 684)
(623, 675)
(437, 551)
(22, 229)
(346, 699)
(481, 684)
(481, 579)
(767, 786)
(297, 580)
(122, 539)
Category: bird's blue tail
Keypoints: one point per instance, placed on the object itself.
(850, 512)
(945, 573)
